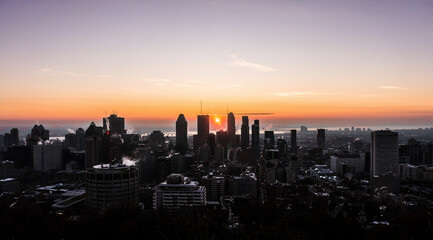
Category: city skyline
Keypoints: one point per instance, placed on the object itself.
(328, 64)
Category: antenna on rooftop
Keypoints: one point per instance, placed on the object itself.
(201, 106)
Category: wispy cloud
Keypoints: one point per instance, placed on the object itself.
(393, 87)
(239, 62)
(302, 94)
(54, 71)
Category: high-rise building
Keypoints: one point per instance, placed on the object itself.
(384, 153)
(282, 147)
(221, 138)
(321, 138)
(114, 124)
(156, 140)
(80, 137)
(231, 129)
(47, 157)
(110, 185)
(181, 134)
(255, 135)
(70, 141)
(178, 191)
(245, 133)
(38, 133)
(293, 144)
(412, 151)
(14, 136)
(7, 140)
(269, 140)
(94, 146)
(246, 183)
(212, 143)
(430, 152)
(203, 129)
(215, 186)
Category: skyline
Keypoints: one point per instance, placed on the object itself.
(327, 63)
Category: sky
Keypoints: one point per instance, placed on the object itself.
(324, 63)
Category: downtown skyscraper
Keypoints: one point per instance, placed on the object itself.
(181, 134)
(231, 129)
(384, 153)
(245, 133)
(321, 138)
(203, 129)
(255, 135)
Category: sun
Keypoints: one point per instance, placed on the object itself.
(217, 120)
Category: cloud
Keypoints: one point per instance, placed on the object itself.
(53, 71)
(239, 62)
(104, 76)
(393, 87)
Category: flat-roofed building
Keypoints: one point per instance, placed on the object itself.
(178, 191)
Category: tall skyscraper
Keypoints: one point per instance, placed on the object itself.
(293, 144)
(245, 133)
(14, 136)
(269, 140)
(255, 135)
(203, 129)
(114, 124)
(231, 129)
(181, 134)
(39, 133)
(221, 138)
(384, 153)
(321, 138)
(80, 137)
(94, 146)
(282, 147)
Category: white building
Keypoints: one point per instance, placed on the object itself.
(47, 157)
(178, 191)
(408, 172)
